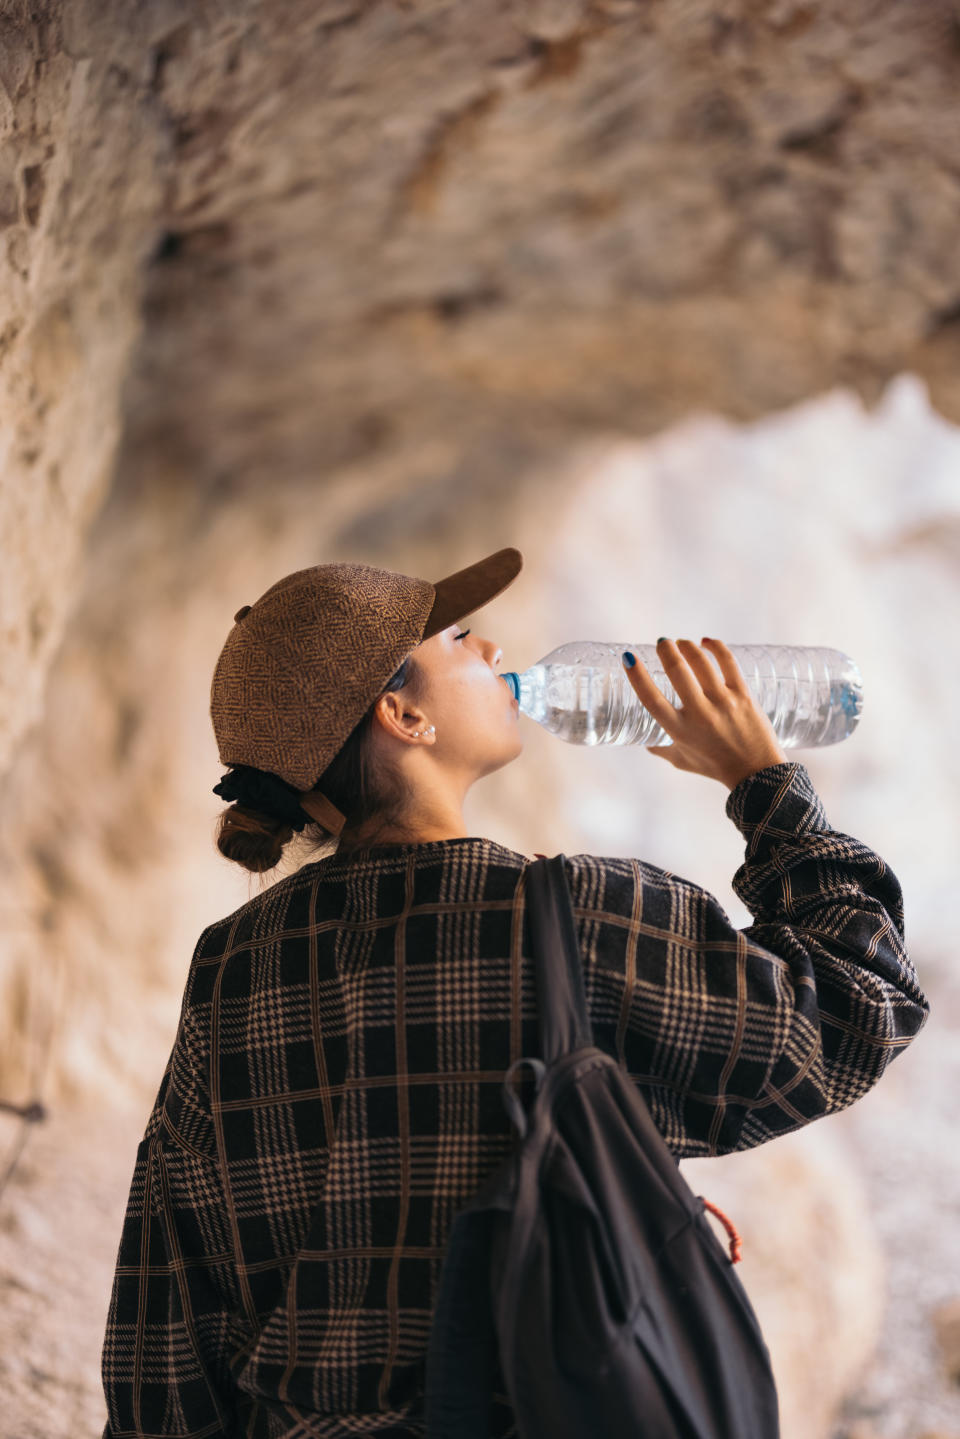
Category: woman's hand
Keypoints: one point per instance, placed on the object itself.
(720, 731)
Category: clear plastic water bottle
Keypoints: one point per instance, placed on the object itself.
(580, 692)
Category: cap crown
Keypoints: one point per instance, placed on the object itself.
(306, 661)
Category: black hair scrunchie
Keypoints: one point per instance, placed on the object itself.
(256, 789)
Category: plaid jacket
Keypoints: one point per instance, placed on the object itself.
(333, 1095)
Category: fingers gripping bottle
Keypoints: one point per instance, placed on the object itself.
(579, 692)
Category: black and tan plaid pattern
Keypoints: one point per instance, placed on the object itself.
(334, 1092)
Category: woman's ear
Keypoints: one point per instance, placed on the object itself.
(394, 716)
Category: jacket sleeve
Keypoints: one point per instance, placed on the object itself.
(169, 1325)
(738, 1036)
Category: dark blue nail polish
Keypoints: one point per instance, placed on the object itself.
(661, 639)
(628, 659)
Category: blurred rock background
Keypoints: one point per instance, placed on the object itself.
(667, 296)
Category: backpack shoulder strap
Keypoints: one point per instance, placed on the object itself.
(561, 1002)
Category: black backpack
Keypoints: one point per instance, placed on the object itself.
(584, 1280)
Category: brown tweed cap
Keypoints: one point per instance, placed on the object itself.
(304, 662)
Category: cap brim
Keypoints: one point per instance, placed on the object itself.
(460, 594)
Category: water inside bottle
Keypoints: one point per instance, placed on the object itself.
(813, 697)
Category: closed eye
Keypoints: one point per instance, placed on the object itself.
(463, 636)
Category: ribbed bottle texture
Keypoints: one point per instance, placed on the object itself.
(580, 692)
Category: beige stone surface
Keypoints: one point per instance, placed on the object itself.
(341, 227)
(946, 1322)
(59, 1230)
(79, 190)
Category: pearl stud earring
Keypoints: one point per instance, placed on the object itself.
(430, 729)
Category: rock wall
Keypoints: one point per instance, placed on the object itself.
(79, 194)
(351, 227)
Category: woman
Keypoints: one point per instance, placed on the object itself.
(333, 1095)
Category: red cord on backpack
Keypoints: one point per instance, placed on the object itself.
(735, 1244)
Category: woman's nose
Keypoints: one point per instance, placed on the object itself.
(490, 650)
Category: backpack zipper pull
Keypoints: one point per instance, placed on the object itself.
(735, 1243)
